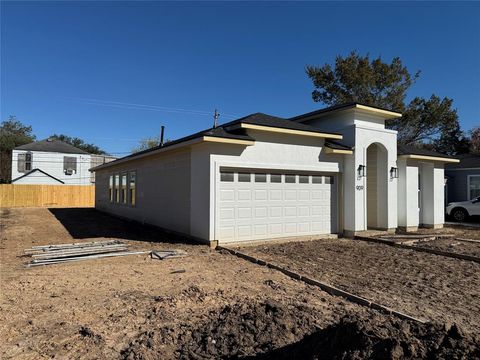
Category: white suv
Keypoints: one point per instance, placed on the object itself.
(460, 211)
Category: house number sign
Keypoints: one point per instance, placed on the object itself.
(359, 187)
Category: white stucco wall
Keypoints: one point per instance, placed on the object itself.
(271, 151)
(52, 163)
(408, 207)
(163, 190)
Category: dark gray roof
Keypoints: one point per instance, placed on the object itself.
(333, 109)
(35, 170)
(413, 150)
(51, 145)
(467, 161)
(272, 121)
(231, 130)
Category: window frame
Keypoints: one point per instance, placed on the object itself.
(123, 188)
(28, 161)
(129, 189)
(469, 190)
(111, 187)
(117, 188)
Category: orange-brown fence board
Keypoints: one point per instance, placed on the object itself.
(47, 195)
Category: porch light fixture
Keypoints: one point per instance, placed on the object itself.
(393, 173)
(361, 171)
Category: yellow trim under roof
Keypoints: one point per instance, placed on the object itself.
(386, 113)
(228, 141)
(337, 151)
(291, 131)
(432, 158)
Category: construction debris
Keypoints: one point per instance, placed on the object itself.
(167, 254)
(63, 253)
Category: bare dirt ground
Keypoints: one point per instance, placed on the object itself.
(423, 285)
(453, 245)
(134, 307)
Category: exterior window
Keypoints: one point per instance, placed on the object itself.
(123, 184)
(132, 187)
(21, 163)
(69, 165)
(117, 188)
(110, 188)
(261, 178)
(226, 176)
(290, 179)
(303, 179)
(28, 161)
(275, 178)
(244, 177)
(328, 179)
(473, 186)
(316, 179)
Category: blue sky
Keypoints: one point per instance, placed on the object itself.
(114, 72)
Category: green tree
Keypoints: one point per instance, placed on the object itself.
(357, 78)
(79, 143)
(148, 143)
(475, 141)
(13, 133)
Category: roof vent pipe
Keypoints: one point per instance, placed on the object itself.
(162, 131)
(215, 118)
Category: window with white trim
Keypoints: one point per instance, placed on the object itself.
(117, 188)
(110, 188)
(123, 186)
(132, 187)
(473, 186)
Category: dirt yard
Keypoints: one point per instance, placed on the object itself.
(135, 307)
(423, 285)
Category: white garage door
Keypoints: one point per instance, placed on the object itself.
(252, 205)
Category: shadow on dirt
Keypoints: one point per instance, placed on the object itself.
(83, 223)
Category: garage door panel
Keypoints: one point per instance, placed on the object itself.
(244, 213)
(244, 194)
(261, 210)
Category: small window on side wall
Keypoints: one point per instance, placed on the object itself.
(226, 176)
(117, 188)
(123, 193)
(132, 187)
(110, 188)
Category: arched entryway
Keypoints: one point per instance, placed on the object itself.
(377, 187)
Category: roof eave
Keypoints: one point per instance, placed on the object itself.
(201, 139)
(282, 130)
(428, 157)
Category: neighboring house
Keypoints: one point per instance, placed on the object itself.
(332, 171)
(463, 179)
(53, 162)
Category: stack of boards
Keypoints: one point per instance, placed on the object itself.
(63, 253)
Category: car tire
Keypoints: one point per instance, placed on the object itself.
(459, 214)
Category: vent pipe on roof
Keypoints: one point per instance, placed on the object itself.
(162, 131)
(215, 118)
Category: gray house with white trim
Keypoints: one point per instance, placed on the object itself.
(463, 179)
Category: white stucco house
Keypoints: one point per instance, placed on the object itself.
(333, 171)
(53, 162)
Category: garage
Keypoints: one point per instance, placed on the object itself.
(254, 205)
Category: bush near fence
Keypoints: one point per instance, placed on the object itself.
(47, 195)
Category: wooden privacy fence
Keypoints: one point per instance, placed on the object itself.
(47, 195)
